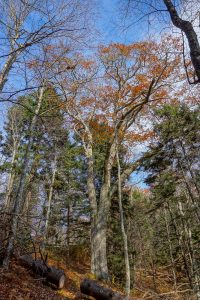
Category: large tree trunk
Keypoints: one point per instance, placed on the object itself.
(99, 231)
(98, 223)
(99, 214)
(99, 265)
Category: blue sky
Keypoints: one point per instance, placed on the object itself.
(111, 26)
(111, 23)
(117, 27)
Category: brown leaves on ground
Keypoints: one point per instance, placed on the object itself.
(19, 284)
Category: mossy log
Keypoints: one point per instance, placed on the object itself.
(97, 291)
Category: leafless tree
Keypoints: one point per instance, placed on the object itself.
(184, 16)
(27, 25)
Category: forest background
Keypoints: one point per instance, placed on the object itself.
(100, 138)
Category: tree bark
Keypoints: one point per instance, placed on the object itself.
(99, 265)
(99, 223)
(11, 178)
(50, 273)
(124, 235)
(92, 288)
(15, 135)
(99, 216)
(54, 167)
(6, 69)
(191, 35)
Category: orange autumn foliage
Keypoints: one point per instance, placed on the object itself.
(102, 132)
(121, 82)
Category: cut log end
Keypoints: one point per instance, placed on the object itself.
(56, 277)
(61, 282)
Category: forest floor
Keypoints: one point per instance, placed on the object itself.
(20, 284)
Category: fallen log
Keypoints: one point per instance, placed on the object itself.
(26, 261)
(56, 276)
(92, 288)
(40, 267)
